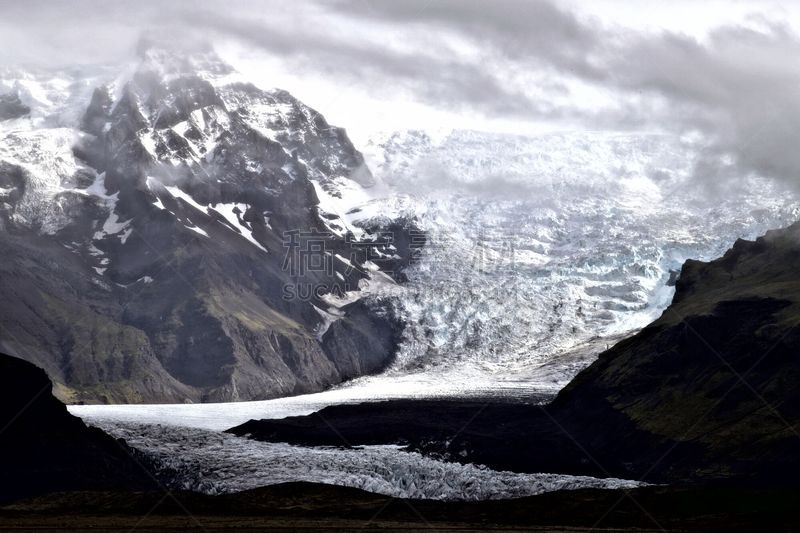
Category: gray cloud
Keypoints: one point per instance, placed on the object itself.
(60, 34)
(306, 38)
(738, 87)
(443, 80)
(522, 29)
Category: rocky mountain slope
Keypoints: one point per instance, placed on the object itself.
(43, 448)
(168, 243)
(708, 392)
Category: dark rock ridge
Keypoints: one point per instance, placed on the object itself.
(173, 262)
(44, 449)
(709, 392)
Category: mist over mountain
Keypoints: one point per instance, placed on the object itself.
(725, 75)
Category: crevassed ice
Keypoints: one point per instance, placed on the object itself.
(540, 244)
(218, 463)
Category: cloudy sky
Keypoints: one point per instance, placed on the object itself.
(727, 72)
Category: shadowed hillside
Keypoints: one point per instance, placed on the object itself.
(44, 449)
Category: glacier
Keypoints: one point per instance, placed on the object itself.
(542, 252)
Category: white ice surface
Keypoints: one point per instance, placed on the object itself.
(46, 155)
(199, 231)
(187, 438)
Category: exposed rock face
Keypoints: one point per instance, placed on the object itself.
(43, 448)
(709, 392)
(174, 248)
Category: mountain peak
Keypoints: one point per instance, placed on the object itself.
(181, 56)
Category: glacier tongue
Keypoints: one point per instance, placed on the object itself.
(216, 463)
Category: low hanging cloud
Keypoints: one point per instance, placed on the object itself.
(441, 80)
(523, 30)
(526, 60)
(741, 88)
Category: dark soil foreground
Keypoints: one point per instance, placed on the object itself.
(299, 506)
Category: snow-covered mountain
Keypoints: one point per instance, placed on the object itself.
(167, 238)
